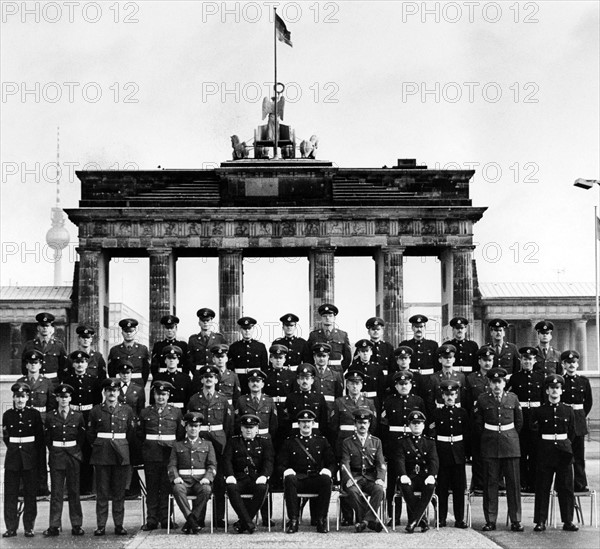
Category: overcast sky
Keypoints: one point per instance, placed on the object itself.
(509, 89)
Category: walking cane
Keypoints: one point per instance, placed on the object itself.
(364, 497)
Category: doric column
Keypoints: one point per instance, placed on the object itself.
(321, 262)
(93, 293)
(579, 334)
(389, 291)
(162, 289)
(231, 285)
(15, 348)
(457, 284)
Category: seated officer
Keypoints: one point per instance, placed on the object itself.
(192, 468)
(362, 457)
(248, 464)
(308, 466)
(418, 466)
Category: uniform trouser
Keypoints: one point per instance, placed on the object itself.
(562, 468)
(315, 484)
(369, 488)
(493, 471)
(12, 480)
(476, 463)
(110, 482)
(42, 467)
(527, 443)
(246, 509)
(86, 471)
(417, 505)
(452, 477)
(578, 445)
(158, 489)
(192, 488)
(58, 478)
(392, 480)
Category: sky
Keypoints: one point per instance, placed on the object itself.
(508, 89)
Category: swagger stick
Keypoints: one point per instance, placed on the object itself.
(364, 497)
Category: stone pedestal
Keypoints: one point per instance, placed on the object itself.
(231, 285)
(162, 289)
(321, 268)
(389, 291)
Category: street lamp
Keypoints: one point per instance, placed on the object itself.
(587, 184)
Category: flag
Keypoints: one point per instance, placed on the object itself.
(283, 35)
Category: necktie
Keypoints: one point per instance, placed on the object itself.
(498, 349)
(544, 352)
(111, 409)
(327, 333)
(255, 400)
(63, 413)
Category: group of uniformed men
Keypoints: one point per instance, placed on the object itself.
(219, 415)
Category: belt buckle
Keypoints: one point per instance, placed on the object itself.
(451, 439)
(209, 427)
(417, 469)
(499, 427)
(246, 471)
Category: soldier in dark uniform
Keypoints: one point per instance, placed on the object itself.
(577, 393)
(424, 358)
(23, 434)
(111, 426)
(362, 456)
(52, 349)
(96, 365)
(200, 344)
(554, 425)
(217, 428)
(499, 419)
(466, 350)
(507, 355)
(248, 464)
(258, 404)
(341, 353)
(528, 386)
(136, 353)
(374, 376)
(548, 358)
(419, 385)
(394, 426)
(87, 392)
(308, 465)
(417, 465)
(383, 352)
(247, 353)
(328, 382)
(157, 365)
(160, 425)
(298, 350)
(65, 433)
(446, 357)
(452, 433)
(182, 390)
(192, 469)
(229, 383)
(131, 393)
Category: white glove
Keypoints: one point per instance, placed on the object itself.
(325, 471)
(261, 480)
(348, 484)
(231, 480)
(405, 479)
(178, 480)
(288, 472)
(430, 480)
(379, 482)
(204, 481)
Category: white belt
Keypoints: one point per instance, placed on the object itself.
(176, 404)
(507, 427)
(576, 406)
(230, 401)
(162, 370)
(452, 438)
(263, 431)
(441, 405)
(279, 399)
(424, 371)
(111, 435)
(384, 372)
(464, 368)
(292, 368)
(21, 440)
(136, 375)
(82, 407)
(347, 428)
(399, 429)
(334, 362)
(370, 394)
(241, 370)
(561, 436)
(192, 472)
(160, 437)
(50, 375)
(65, 444)
(329, 398)
(218, 427)
(529, 404)
(295, 425)
(39, 408)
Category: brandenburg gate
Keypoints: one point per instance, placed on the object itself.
(271, 207)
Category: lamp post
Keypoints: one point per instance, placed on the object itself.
(587, 184)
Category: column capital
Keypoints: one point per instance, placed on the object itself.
(393, 249)
(462, 248)
(323, 249)
(160, 250)
(96, 249)
(231, 251)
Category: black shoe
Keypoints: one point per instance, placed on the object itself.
(29, 533)
(77, 531)
(149, 526)
(375, 526)
(239, 527)
(489, 526)
(460, 524)
(9, 534)
(120, 531)
(410, 527)
(50, 532)
(443, 524)
(322, 527)
(100, 532)
(570, 527)
(251, 528)
(292, 526)
(360, 527)
(517, 527)
(424, 527)
(539, 527)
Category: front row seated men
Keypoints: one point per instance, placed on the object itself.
(192, 469)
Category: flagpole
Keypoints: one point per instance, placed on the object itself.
(597, 295)
(275, 98)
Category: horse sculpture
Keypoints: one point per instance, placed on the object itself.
(308, 148)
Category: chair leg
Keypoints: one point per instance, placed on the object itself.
(170, 502)
(212, 512)
(226, 511)
(269, 504)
